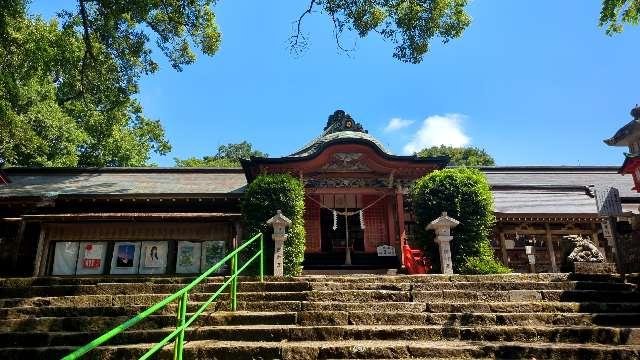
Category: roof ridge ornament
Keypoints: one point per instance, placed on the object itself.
(341, 121)
(635, 113)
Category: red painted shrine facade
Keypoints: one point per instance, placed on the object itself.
(355, 194)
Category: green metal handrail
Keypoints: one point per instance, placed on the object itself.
(183, 294)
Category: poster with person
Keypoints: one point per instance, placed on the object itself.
(126, 256)
(91, 258)
(153, 258)
(65, 258)
(212, 253)
(188, 261)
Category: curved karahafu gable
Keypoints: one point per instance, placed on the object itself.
(345, 147)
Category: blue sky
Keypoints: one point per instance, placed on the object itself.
(532, 82)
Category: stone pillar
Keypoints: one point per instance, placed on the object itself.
(280, 224)
(446, 263)
(442, 227)
(278, 258)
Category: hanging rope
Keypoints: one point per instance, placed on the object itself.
(346, 213)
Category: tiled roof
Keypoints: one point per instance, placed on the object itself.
(561, 176)
(122, 181)
(516, 189)
(544, 202)
(319, 142)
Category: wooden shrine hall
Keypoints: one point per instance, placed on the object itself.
(153, 221)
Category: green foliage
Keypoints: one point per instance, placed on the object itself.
(464, 193)
(62, 109)
(460, 156)
(410, 24)
(228, 156)
(616, 13)
(206, 162)
(262, 198)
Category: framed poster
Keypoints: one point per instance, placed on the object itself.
(188, 261)
(65, 258)
(91, 258)
(126, 256)
(153, 258)
(213, 252)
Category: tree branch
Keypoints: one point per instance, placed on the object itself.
(298, 37)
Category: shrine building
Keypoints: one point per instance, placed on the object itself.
(86, 221)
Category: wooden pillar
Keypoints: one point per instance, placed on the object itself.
(594, 235)
(39, 268)
(552, 253)
(401, 231)
(237, 236)
(503, 248)
(16, 245)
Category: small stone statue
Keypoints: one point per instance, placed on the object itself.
(583, 250)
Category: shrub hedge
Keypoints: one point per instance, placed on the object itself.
(465, 194)
(262, 198)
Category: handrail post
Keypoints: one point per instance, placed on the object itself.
(182, 316)
(234, 283)
(261, 257)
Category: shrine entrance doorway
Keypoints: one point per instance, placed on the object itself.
(348, 232)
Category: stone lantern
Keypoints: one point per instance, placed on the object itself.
(442, 227)
(280, 224)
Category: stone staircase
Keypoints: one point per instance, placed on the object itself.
(542, 316)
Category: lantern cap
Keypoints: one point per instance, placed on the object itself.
(443, 221)
(279, 219)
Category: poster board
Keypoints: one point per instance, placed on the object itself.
(126, 257)
(189, 256)
(153, 258)
(65, 258)
(91, 258)
(213, 252)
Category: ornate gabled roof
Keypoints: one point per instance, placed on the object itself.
(340, 127)
(624, 136)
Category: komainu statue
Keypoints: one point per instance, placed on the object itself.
(583, 250)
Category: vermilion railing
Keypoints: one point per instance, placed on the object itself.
(183, 296)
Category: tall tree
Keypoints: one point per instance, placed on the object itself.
(67, 89)
(460, 156)
(228, 156)
(410, 24)
(47, 120)
(616, 13)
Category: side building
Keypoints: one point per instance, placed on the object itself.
(57, 221)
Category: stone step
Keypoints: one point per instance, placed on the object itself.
(526, 295)
(309, 350)
(98, 309)
(105, 323)
(322, 318)
(532, 306)
(430, 278)
(292, 333)
(311, 318)
(300, 286)
(144, 288)
(357, 296)
(473, 286)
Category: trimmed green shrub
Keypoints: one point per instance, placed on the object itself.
(262, 198)
(465, 194)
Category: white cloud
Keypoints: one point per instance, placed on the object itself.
(397, 124)
(439, 130)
